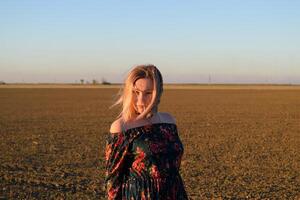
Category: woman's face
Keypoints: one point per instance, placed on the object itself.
(142, 93)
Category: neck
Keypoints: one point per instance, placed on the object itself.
(151, 118)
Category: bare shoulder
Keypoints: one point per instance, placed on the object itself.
(167, 118)
(116, 126)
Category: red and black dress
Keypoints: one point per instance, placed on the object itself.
(143, 163)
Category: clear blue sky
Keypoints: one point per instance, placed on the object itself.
(230, 41)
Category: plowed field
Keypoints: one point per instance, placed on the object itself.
(241, 143)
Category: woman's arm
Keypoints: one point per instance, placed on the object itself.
(115, 153)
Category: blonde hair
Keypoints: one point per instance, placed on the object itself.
(125, 97)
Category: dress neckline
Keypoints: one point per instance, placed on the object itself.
(145, 125)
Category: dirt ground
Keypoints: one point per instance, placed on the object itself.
(239, 143)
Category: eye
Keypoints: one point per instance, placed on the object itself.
(135, 92)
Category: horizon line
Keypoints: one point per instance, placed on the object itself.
(172, 83)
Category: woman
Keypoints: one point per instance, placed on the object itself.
(143, 149)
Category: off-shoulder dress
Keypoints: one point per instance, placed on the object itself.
(144, 162)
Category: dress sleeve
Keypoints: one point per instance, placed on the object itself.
(115, 154)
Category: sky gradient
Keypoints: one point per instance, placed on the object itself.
(190, 41)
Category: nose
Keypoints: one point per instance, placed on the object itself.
(141, 99)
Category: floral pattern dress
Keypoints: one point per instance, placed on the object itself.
(143, 163)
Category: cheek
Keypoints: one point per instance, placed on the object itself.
(135, 99)
(149, 97)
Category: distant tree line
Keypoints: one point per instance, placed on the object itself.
(95, 82)
(2, 83)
